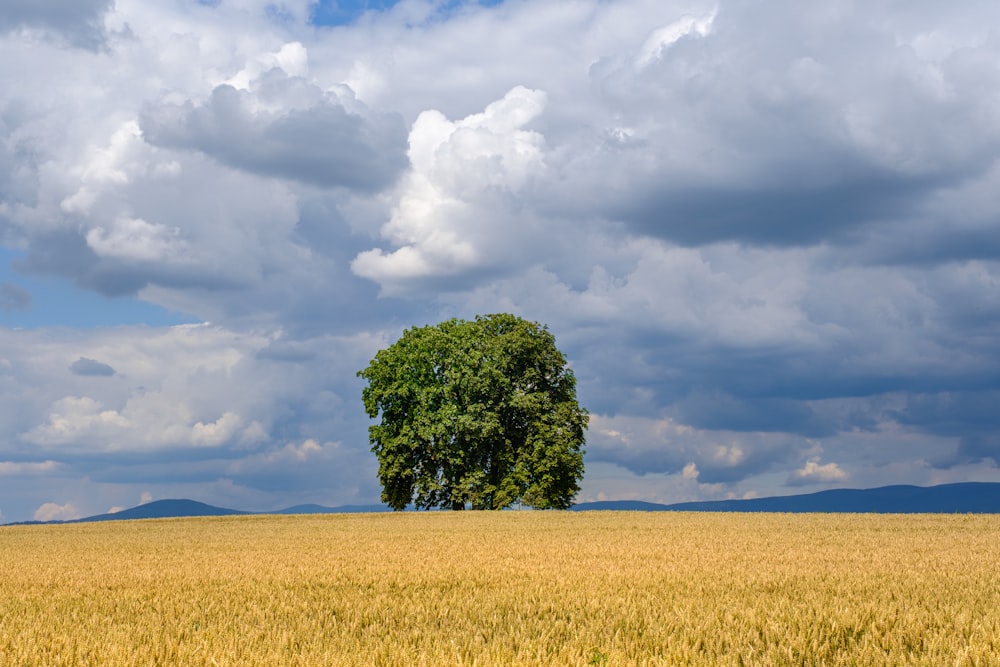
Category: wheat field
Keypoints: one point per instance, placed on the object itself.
(509, 588)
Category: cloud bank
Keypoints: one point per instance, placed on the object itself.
(766, 238)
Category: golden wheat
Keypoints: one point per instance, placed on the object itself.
(510, 588)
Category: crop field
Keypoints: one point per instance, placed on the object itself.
(509, 588)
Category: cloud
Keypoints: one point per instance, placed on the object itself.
(155, 406)
(642, 445)
(12, 468)
(292, 59)
(286, 127)
(91, 368)
(656, 46)
(814, 472)
(121, 247)
(783, 142)
(751, 230)
(80, 422)
(217, 432)
(136, 240)
(191, 406)
(105, 168)
(297, 465)
(13, 298)
(74, 418)
(459, 200)
(56, 512)
(79, 21)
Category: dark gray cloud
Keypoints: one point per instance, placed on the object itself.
(723, 412)
(772, 214)
(77, 20)
(932, 245)
(976, 448)
(322, 143)
(739, 135)
(966, 417)
(665, 446)
(91, 368)
(66, 253)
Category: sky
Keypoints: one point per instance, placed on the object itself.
(765, 236)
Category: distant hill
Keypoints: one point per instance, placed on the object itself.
(176, 508)
(163, 509)
(962, 498)
(621, 506)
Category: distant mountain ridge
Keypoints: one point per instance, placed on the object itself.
(960, 498)
(181, 507)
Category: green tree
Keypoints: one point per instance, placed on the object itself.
(476, 413)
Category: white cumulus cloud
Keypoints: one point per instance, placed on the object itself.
(663, 37)
(217, 432)
(814, 472)
(136, 240)
(455, 209)
(56, 512)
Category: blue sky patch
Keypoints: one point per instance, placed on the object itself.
(346, 12)
(28, 301)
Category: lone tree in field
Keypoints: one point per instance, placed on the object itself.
(479, 413)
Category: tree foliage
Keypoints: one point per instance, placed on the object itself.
(476, 413)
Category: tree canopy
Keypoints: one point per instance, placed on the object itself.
(476, 413)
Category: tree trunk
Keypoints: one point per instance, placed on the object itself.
(457, 505)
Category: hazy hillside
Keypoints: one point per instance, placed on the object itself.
(967, 497)
(962, 498)
(160, 509)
